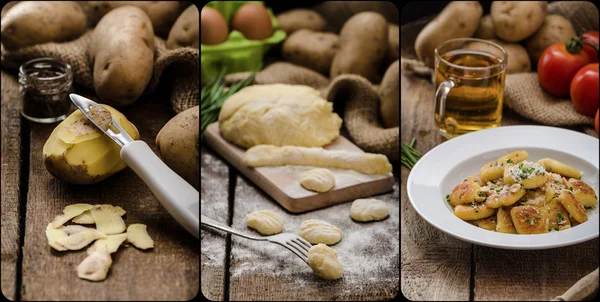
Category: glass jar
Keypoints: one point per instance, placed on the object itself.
(45, 87)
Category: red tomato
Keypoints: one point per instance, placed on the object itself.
(596, 123)
(592, 38)
(558, 65)
(584, 89)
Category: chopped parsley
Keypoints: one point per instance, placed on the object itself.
(510, 161)
(448, 198)
(481, 194)
(560, 217)
(528, 220)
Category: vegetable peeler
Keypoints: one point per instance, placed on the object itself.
(175, 194)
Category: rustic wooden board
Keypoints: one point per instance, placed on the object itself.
(262, 271)
(168, 272)
(10, 175)
(436, 266)
(214, 204)
(283, 186)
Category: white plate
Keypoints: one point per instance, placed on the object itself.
(439, 170)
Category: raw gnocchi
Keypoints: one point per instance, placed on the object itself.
(318, 180)
(516, 196)
(369, 209)
(324, 262)
(266, 222)
(318, 231)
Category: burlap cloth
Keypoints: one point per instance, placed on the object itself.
(181, 66)
(522, 91)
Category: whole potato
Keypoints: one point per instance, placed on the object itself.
(178, 144)
(162, 14)
(555, 29)
(7, 6)
(389, 92)
(185, 31)
(314, 50)
(295, 19)
(122, 53)
(393, 49)
(518, 60)
(363, 43)
(517, 20)
(459, 19)
(31, 22)
(486, 28)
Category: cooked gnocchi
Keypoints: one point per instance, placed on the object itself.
(516, 196)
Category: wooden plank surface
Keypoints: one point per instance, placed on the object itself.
(369, 253)
(10, 176)
(436, 266)
(168, 272)
(214, 204)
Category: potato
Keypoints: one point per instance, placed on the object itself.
(91, 158)
(314, 50)
(514, 21)
(296, 19)
(353, 57)
(31, 22)
(178, 144)
(485, 29)
(185, 31)
(389, 91)
(555, 29)
(7, 6)
(122, 53)
(518, 59)
(459, 19)
(162, 14)
(393, 49)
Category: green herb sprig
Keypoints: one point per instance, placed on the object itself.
(408, 155)
(214, 95)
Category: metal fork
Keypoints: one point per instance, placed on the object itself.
(290, 241)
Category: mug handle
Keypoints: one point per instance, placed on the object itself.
(440, 96)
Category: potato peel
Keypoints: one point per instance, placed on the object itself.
(54, 234)
(107, 219)
(96, 265)
(80, 238)
(111, 243)
(69, 212)
(86, 217)
(137, 235)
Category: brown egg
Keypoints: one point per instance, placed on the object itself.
(253, 21)
(213, 28)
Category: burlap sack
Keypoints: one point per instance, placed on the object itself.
(182, 66)
(353, 95)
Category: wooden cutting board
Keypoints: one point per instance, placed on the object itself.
(282, 183)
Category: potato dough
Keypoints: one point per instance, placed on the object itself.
(185, 31)
(122, 52)
(459, 19)
(369, 209)
(318, 231)
(324, 262)
(555, 29)
(514, 21)
(178, 144)
(366, 28)
(314, 50)
(296, 19)
(35, 22)
(266, 222)
(279, 114)
(318, 180)
(485, 29)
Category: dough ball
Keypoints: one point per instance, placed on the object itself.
(280, 115)
(369, 210)
(318, 231)
(324, 262)
(318, 180)
(266, 222)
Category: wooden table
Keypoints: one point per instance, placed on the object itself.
(234, 268)
(31, 197)
(436, 266)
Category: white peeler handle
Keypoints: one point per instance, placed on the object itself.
(180, 199)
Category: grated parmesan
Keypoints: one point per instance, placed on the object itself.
(525, 170)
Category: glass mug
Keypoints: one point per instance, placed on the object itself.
(469, 76)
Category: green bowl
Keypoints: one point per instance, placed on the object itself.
(237, 54)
